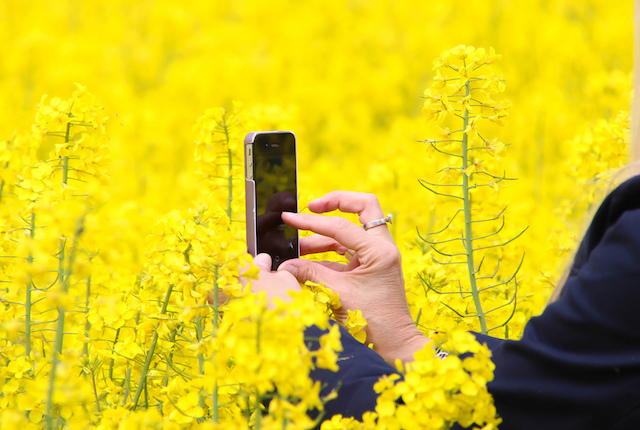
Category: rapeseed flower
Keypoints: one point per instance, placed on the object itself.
(118, 219)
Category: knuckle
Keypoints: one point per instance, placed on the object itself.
(306, 273)
(390, 253)
(341, 224)
(371, 199)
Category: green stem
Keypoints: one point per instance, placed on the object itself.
(95, 389)
(127, 385)
(61, 273)
(147, 362)
(468, 238)
(230, 172)
(169, 358)
(65, 169)
(54, 366)
(200, 358)
(2, 182)
(63, 280)
(87, 324)
(65, 159)
(27, 302)
(216, 302)
(113, 360)
(127, 378)
(215, 405)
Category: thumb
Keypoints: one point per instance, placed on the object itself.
(263, 261)
(305, 270)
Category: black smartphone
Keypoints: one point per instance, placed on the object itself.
(271, 182)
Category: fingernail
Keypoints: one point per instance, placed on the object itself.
(262, 261)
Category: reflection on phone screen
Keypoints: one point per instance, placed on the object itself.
(275, 178)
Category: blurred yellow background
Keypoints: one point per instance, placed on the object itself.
(347, 77)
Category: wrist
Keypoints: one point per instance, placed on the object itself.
(405, 346)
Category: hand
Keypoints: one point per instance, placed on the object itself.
(372, 281)
(274, 284)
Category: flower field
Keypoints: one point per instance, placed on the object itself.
(122, 194)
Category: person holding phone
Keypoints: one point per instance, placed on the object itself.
(577, 365)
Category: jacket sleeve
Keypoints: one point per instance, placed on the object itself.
(578, 363)
(360, 368)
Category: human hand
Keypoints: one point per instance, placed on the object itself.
(372, 281)
(274, 284)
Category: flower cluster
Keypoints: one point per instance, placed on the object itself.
(82, 331)
(435, 393)
(104, 221)
(462, 100)
(329, 301)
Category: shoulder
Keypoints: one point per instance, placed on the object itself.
(623, 202)
(582, 352)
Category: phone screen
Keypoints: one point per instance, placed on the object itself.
(276, 191)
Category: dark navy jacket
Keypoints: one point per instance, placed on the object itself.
(577, 365)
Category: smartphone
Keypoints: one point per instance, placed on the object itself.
(271, 182)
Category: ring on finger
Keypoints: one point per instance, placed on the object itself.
(377, 222)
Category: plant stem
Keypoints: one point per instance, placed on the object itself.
(468, 239)
(63, 280)
(87, 324)
(113, 360)
(215, 406)
(27, 302)
(54, 366)
(57, 349)
(6, 165)
(172, 340)
(200, 359)
(95, 389)
(65, 159)
(230, 172)
(65, 169)
(147, 362)
(127, 378)
(127, 384)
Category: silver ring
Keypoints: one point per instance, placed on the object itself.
(370, 224)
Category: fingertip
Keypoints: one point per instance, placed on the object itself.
(263, 261)
(317, 205)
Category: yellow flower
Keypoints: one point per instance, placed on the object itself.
(356, 324)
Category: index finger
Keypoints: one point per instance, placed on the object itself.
(342, 230)
(366, 205)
